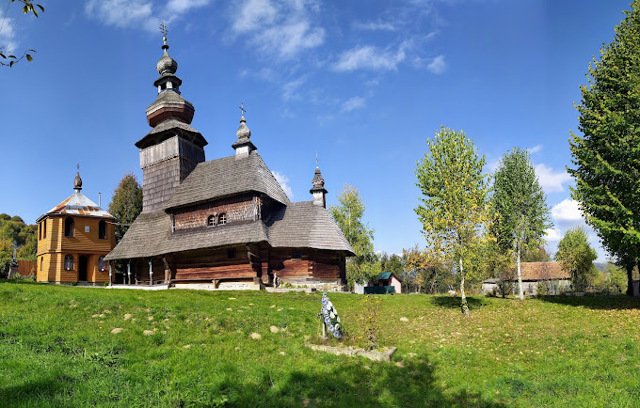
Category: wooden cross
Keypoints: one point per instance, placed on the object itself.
(241, 107)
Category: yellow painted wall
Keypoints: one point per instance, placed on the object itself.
(53, 248)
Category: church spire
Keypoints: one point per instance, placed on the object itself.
(77, 182)
(318, 191)
(243, 146)
(169, 103)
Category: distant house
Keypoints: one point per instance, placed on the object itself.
(534, 274)
(387, 283)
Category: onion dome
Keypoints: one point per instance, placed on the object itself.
(243, 146)
(169, 104)
(77, 182)
(318, 191)
(243, 131)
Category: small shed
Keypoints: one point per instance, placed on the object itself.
(387, 283)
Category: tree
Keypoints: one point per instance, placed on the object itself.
(422, 271)
(365, 265)
(520, 206)
(453, 207)
(7, 59)
(607, 172)
(126, 204)
(576, 257)
(13, 231)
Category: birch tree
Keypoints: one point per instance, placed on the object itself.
(520, 207)
(453, 207)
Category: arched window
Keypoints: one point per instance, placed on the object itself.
(211, 221)
(222, 219)
(40, 231)
(68, 227)
(42, 263)
(102, 264)
(68, 263)
(102, 229)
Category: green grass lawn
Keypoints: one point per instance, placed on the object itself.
(57, 349)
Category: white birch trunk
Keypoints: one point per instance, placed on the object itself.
(463, 303)
(520, 276)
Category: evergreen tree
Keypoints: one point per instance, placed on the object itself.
(453, 209)
(126, 204)
(607, 170)
(365, 265)
(520, 206)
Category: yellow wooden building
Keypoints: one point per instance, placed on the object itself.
(73, 239)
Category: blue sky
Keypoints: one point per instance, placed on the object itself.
(360, 83)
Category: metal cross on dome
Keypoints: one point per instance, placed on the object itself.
(163, 28)
(241, 107)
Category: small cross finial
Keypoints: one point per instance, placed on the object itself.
(241, 107)
(317, 160)
(164, 31)
(78, 167)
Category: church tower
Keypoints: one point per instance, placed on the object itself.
(172, 149)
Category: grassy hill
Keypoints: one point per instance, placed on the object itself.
(58, 349)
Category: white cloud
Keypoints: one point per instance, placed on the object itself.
(354, 103)
(567, 211)
(182, 6)
(553, 235)
(369, 57)
(7, 36)
(120, 13)
(145, 14)
(373, 26)
(535, 149)
(278, 27)
(550, 181)
(284, 183)
(290, 90)
(437, 65)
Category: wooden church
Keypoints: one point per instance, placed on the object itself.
(225, 221)
(73, 239)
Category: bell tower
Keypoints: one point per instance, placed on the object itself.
(172, 149)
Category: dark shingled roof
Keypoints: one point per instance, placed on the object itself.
(226, 177)
(146, 237)
(306, 225)
(168, 128)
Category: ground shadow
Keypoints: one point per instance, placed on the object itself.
(599, 302)
(358, 383)
(453, 302)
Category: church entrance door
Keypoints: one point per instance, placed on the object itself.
(82, 269)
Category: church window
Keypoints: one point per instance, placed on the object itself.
(42, 263)
(68, 263)
(222, 219)
(231, 254)
(102, 229)
(102, 264)
(296, 255)
(68, 227)
(40, 231)
(211, 221)
(44, 230)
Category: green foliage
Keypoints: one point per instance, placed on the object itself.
(536, 254)
(519, 205)
(126, 204)
(576, 258)
(14, 230)
(453, 209)
(348, 214)
(393, 263)
(607, 171)
(28, 7)
(611, 280)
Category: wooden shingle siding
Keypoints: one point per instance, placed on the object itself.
(237, 209)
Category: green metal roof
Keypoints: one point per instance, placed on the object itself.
(385, 275)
